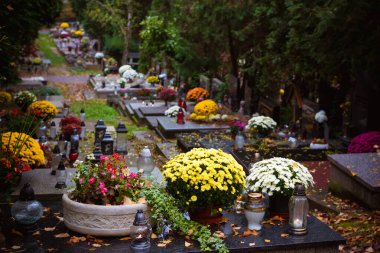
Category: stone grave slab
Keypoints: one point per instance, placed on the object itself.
(217, 141)
(153, 110)
(169, 127)
(152, 121)
(168, 149)
(357, 175)
(188, 141)
(43, 182)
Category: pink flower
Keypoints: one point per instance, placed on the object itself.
(132, 175)
(104, 158)
(103, 188)
(128, 185)
(81, 180)
(92, 180)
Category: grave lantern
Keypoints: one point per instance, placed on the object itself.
(107, 144)
(83, 130)
(82, 115)
(121, 139)
(62, 143)
(100, 130)
(74, 140)
(61, 174)
(298, 209)
(180, 116)
(41, 131)
(145, 161)
(140, 233)
(97, 153)
(56, 157)
(53, 130)
(27, 211)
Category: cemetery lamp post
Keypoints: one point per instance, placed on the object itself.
(298, 209)
(100, 130)
(121, 139)
(140, 233)
(27, 211)
(107, 144)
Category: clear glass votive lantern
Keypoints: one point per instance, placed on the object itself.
(298, 210)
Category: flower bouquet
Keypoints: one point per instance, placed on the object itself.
(153, 80)
(277, 176)
(110, 182)
(167, 94)
(262, 125)
(365, 143)
(196, 93)
(236, 126)
(24, 99)
(43, 110)
(5, 97)
(204, 110)
(173, 111)
(204, 178)
(68, 124)
(64, 25)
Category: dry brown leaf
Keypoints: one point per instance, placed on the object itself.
(59, 218)
(36, 233)
(284, 235)
(47, 209)
(62, 235)
(51, 250)
(16, 232)
(188, 244)
(247, 232)
(153, 236)
(48, 229)
(220, 234)
(353, 173)
(254, 232)
(96, 245)
(125, 238)
(161, 245)
(167, 241)
(76, 239)
(15, 247)
(266, 240)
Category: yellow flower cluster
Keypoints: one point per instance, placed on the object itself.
(204, 109)
(202, 177)
(196, 93)
(153, 79)
(5, 97)
(43, 109)
(78, 33)
(64, 25)
(24, 147)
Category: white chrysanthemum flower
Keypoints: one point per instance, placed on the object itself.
(124, 68)
(173, 111)
(321, 116)
(99, 55)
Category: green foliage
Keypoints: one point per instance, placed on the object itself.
(43, 91)
(223, 89)
(163, 208)
(46, 45)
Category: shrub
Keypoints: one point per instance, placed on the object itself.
(365, 143)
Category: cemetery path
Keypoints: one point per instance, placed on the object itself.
(73, 79)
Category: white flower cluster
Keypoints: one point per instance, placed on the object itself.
(277, 175)
(124, 68)
(262, 123)
(321, 116)
(99, 55)
(173, 111)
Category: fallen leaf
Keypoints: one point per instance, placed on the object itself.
(76, 239)
(266, 240)
(106, 244)
(62, 235)
(353, 173)
(51, 249)
(125, 238)
(49, 229)
(153, 236)
(36, 233)
(284, 235)
(167, 241)
(188, 244)
(16, 232)
(15, 247)
(247, 232)
(59, 218)
(96, 245)
(47, 209)
(161, 245)
(254, 232)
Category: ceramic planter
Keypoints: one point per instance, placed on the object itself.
(99, 220)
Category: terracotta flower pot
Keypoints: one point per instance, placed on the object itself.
(206, 216)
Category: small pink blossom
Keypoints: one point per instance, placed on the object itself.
(128, 185)
(81, 180)
(103, 188)
(132, 175)
(92, 180)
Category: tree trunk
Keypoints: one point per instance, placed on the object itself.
(127, 34)
(234, 66)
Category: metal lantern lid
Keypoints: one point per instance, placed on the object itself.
(75, 131)
(145, 152)
(42, 139)
(140, 219)
(82, 124)
(299, 190)
(27, 193)
(107, 137)
(52, 124)
(100, 125)
(121, 128)
(82, 110)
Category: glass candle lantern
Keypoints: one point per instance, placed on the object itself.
(53, 130)
(140, 233)
(56, 157)
(83, 130)
(97, 153)
(100, 130)
(107, 144)
(61, 174)
(184, 105)
(180, 102)
(74, 140)
(298, 209)
(82, 115)
(65, 111)
(239, 141)
(41, 129)
(121, 139)
(180, 117)
(145, 161)
(62, 143)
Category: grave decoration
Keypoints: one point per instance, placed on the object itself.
(365, 143)
(68, 124)
(261, 125)
(153, 80)
(167, 94)
(5, 97)
(204, 181)
(236, 126)
(298, 210)
(196, 93)
(122, 81)
(64, 25)
(173, 111)
(277, 178)
(43, 110)
(204, 111)
(24, 98)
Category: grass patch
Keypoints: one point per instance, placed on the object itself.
(96, 109)
(46, 45)
(82, 71)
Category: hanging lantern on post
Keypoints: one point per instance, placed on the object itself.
(121, 139)
(140, 233)
(53, 130)
(107, 144)
(298, 209)
(100, 130)
(145, 161)
(61, 174)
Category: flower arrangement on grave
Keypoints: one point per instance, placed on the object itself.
(64, 25)
(109, 182)
(124, 68)
(204, 178)
(24, 99)
(111, 62)
(262, 125)
(236, 126)
(130, 74)
(69, 123)
(122, 81)
(18, 121)
(153, 79)
(36, 60)
(196, 93)
(5, 97)
(277, 176)
(99, 55)
(167, 94)
(29, 152)
(365, 143)
(78, 33)
(43, 109)
(204, 110)
(144, 92)
(173, 111)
